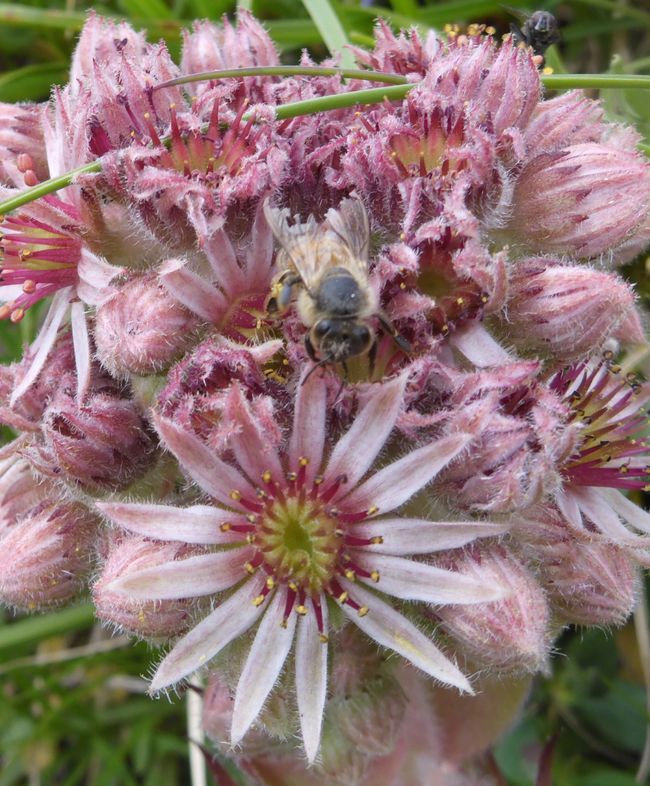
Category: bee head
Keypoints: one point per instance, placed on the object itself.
(341, 339)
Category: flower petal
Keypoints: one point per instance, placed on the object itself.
(392, 486)
(418, 536)
(356, 451)
(229, 620)
(199, 524)
(185, 578)
(263, 665)
(308, 434)
(633, 514)
(212, 474)
(194, 292)
(390, 629)
(409, 580)
(311, 679)
(44, 341)
(479, 347)
(81, 343)
(598, 510)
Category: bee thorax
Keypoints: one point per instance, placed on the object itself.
(339, 295)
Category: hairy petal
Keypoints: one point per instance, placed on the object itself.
(418, 536)
(311, 679)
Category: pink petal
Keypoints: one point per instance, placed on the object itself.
(200, 524)
(263, 665)
(212, 474)
(417, 536)
(392, 486)
(633, 514)
(223, 261)
(390, 629)
(192, 291)
(252, 451)
(356, 451)
(81, 343)
(95, 274)
(185, 578)
(597, 508)
(409, 580)
(228, 621)
(479, 347)
(44, 341)
(311, 679)
(308, 434)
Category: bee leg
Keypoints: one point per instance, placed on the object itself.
(401, 342)
(372, 357)
(310, 349)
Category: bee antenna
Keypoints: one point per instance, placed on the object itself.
(320, 364)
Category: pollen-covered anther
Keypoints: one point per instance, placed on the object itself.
(302, 610)
(235, 495)
(266, 476)
(372, 510)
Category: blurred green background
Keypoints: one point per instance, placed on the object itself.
(72, 705)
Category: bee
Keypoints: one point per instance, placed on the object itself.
(328, 263)
(538, 31)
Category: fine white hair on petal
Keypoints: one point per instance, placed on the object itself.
(390, 629)
(192, 577)
(392, 486)
(479, 347)
(311, 678)
(308, 432)
(359, 446)
(194, 292)
(213, 475)
(81, 344)
(228, 621)
(409, 580)
(264, 663)
(198, 524)
(419, 536)
(633, 514)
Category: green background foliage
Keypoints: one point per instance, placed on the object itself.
(72, 696)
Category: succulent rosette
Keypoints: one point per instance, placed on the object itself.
(351, 544)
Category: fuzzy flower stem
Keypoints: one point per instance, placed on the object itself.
(585, 81)
(47, 187)
(288, 70)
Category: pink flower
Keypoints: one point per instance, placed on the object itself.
(303, 534)
(609, 455)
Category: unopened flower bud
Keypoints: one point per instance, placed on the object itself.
(588, 582)
(149, 619)
(511, 633)
(142, 329)
(45, 556)
(566, 120)
(585, 200)
(568, 310)
(103, 444)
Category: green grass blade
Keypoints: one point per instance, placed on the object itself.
(32, 82)
(32, 629)
(331, 29)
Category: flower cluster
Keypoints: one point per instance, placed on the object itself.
(309, 393)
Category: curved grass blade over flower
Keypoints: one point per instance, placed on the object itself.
(296, 544)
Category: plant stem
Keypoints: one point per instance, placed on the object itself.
(642, 629)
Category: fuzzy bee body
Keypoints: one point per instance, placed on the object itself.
(538, 31)
(328, 261)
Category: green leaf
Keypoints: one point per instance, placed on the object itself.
(331, 29)
(30, 630)
(606, 777)
(618, 717)
(32, 82)
(146, 9)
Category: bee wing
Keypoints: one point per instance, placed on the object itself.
(299, 241)
(350, 223)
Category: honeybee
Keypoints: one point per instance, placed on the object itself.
(538, 31)
(328, 263)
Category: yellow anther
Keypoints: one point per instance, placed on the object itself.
(252, 518)
(225, 527)
(250, 538)
(547, 70)
(258, 600)
(460, 301)
(302, 610)
(270, 582)
(323, 638)
(376, 540)
(250, 568)
(291, 477)
(350, 574)
(372, 510)
(363, 611)
(402, 285)
(302, 461)
(234, 494)
(293, 586)
(490, 30)
(375, 576)
(343, 597)
(146, 115)
(283, 624)
(318, 480)
(266, 476)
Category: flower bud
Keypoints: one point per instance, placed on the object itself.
(588, 582)
(149, 619)
(509, 634)
(45, 556)
(142, 329)
(22, 150)
(586, 200)
(103, 444)
(566, 120)
(568, 310)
